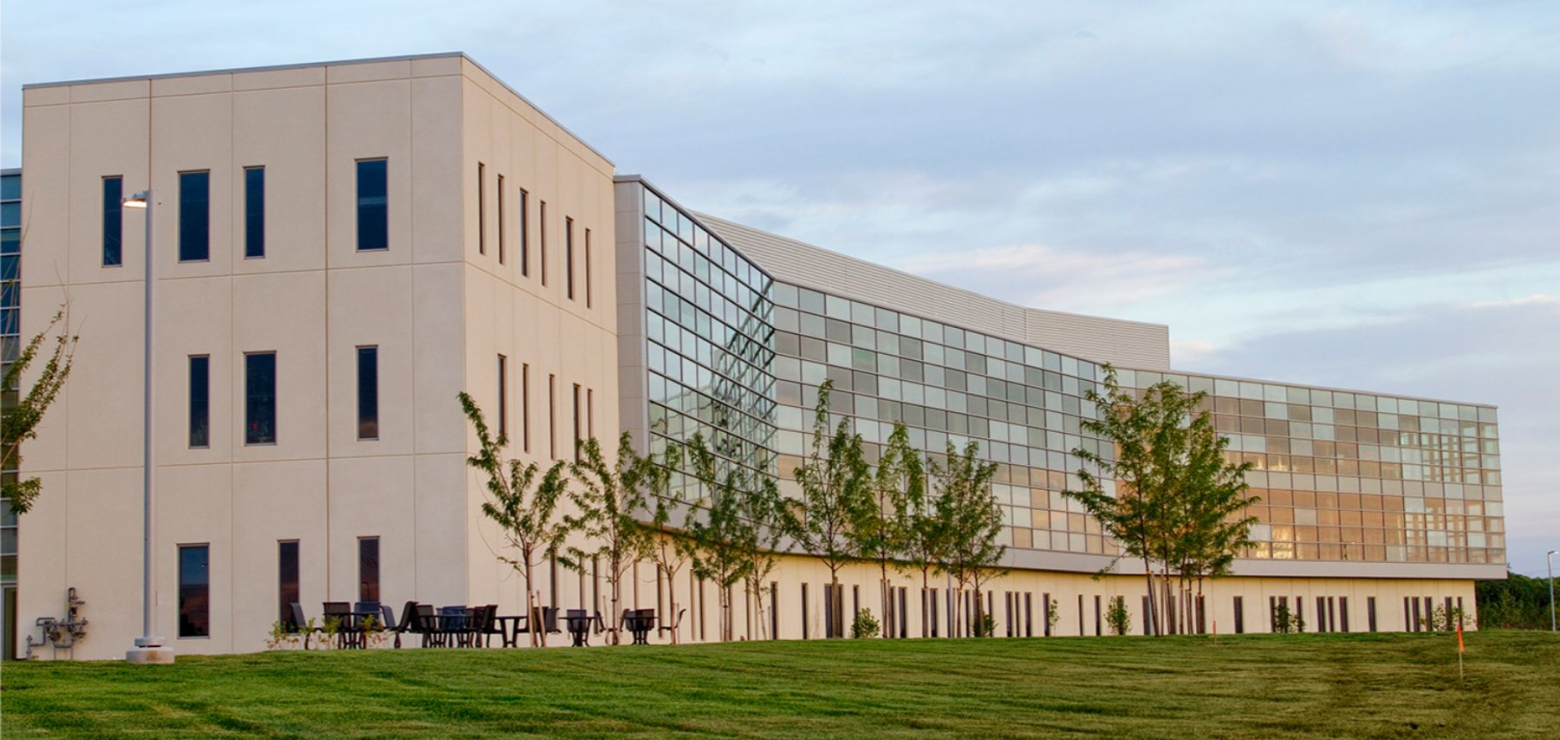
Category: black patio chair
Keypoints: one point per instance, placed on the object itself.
(296, 623)
(408, 618)
(426, 623)
(341, 612)
(489, 626)
(452, 623)
(676, 621)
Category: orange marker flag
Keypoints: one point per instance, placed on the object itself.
(1459, 651)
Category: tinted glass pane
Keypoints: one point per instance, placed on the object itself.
(11, 214)
(260, 398)
(373, 216)
(11, 187)
(287, 572)
(113, 220)
(368, 392)
(194, 216)
(200, 401)
(10, 241)
(194, 591)
(368, 569)
(254, 212)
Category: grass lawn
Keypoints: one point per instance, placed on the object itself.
(1248, 686)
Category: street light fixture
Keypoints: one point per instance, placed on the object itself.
(149, 646)
(1549, 560)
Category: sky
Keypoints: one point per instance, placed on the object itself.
(1353, 195)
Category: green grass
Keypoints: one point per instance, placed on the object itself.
(1248, 686)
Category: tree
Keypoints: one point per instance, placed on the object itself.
(609, 501)
(1210, 503)
(973, 522)
(669, 549)
(882, 527)
(524, 509)
(835, 481)
(767, 520)
(22, 419)
(716, 527)
(1118, 617)
(924, 535)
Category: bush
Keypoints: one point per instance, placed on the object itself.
(1286, 620)
(1118, 617)
(865, 625)
(1053, 616)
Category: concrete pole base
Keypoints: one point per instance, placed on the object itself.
(149, 656)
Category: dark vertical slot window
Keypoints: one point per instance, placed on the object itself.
(1370, 613)
(113, 221)
(481, 208)
(254, 212)
(1045, 610)
(590, 413)
(1343, 613)
(500, 191)
(1240, 616)
(368, 392)
(552, 416)
(1097, 616)
(194, 216)
(804, 612)
(587, 269)
(287, 579)
(568, 256)
(577, 440)
(525, 406)
(774, 610)
(368, 569)
(503, 396)
(260, 398)
(525, 233)
(542, 236)
(373, 204)
(194, 591)
(200, 401)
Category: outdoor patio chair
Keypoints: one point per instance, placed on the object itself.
(489, 625)
(298, 624)
(341, 612)
(452, 624)
(407, 622)
(675, 622)
(426, 623)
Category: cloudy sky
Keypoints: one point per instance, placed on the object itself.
(1364, 196)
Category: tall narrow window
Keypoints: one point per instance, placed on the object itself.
(254, 212)
(368, 392)
(525, 406)
(373, 204)
(1370, 612)
(194, 216)
(1240, 615)
(525, 233)
(260, 398)
(590, 413)
(368, 569)
(542, 235)
(287, 580)
(200, 401)
(552, 416)
(568, 256)
(481, 208)
(577, 440)
(194, 591)
(113, 221)
(500, 219)
(587, 269)
(503, 396)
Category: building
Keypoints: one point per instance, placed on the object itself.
(341, 248)
(10, 328)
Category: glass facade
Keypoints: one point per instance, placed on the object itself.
(1342, 476)
(710, 340)
(10, 346)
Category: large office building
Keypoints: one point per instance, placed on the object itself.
(342, 248)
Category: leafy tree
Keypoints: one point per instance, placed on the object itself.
(972, 521)
(716, 527)
(1210, 504)
(835, 481)
(923, 532)
(767, 520)
(1515, 602)
(524, 509)
(669, 548)
(883, 527)
(23, 417)
(1118, 617)
(609, 501)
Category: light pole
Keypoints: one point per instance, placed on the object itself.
(1549, 560)
(149, 646)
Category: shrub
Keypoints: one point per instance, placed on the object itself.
(865, 625)
(1118, 617)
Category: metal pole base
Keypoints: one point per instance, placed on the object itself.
(149, 651)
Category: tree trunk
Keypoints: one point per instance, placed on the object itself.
(1153, 619)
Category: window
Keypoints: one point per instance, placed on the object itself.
(552, 416)
(542, 220)
(260, 398)
(590, 413)
(287, 579)
(373, 204)
(368, 569)
(113, 221)
(805, 618)
(200, 401)
(194, 591)
(525, 235)
(1240, 616)
(568, 257)
(481, 209)
(1343, 613)
(577, 440)
(587, 269)
(1045, 606)
(500, 219)
(368, 392)
(774, 610)
(525, 406)
(503, 397)
(1370, 612)
(194, 216)
(254, 212)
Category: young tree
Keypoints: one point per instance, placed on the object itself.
(882, 528)
(527, 514)
(835, 481)
(716, 527)
(924, 534)
(609, 501)
(973, 523)
(22, 419)
(1212, 500)
(669, 548)
(767, 519)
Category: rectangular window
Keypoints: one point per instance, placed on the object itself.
(1343, 613)
(1321, 614)
(542, 221)
(113, 221)
(500, 219)
(1097, 619)
(1370, 612)
(525, 406)
(200, 401)
(590, 413)
(194, 591)
(587, 269)
(774, 610)
(368, 569)
(577, 440)
(525, 233)
(1240, 616)
(1045, 606)
(503, 397)
(194, 216)
(254, 212)
(568, 257)
(260, 398)
(373, 204)
(368, 392)
(481, 209)
(804, 612)
(552, 416)
(287, 579)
